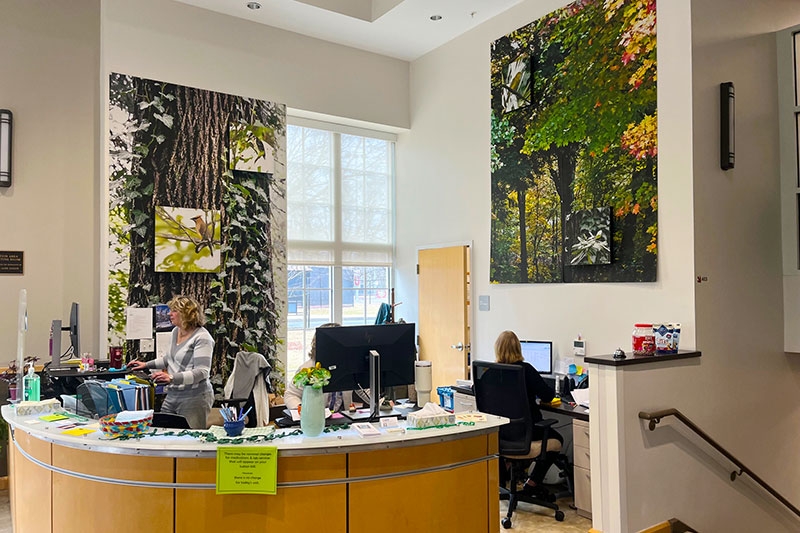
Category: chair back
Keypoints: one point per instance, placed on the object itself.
(500, 390)
(169, 420)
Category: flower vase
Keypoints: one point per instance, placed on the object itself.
(312, 412)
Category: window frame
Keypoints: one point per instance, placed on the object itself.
(336, 246)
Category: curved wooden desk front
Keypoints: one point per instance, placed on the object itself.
(429, 480)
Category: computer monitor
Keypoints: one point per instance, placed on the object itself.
(539, 354)
(345, 351)
(75, 329)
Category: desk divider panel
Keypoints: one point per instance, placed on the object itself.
(86, 505)
(33, 485)
(373, 504)
(296, 509)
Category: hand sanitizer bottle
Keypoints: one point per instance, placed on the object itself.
(31, 384)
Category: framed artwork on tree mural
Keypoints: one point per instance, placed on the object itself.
(517, 78)
(187, 240)
(587, 239)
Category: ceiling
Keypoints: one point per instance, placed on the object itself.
(396, 28)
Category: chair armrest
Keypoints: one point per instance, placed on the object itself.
(545, 423)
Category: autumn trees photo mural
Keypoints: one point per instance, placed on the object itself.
(574, 146)
(197, 206)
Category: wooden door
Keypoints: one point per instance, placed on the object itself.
(443, 286)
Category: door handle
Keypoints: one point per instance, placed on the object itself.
(460, 346)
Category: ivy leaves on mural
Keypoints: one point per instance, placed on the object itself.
(170, 146)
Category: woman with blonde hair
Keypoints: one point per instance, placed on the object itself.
(508, 350)
(186, 367)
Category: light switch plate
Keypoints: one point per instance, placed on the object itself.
(483, 302)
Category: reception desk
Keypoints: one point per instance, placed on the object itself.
(337, 482)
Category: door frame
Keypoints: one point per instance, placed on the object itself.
(470, 310)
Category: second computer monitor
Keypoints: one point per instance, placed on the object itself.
(345, 351)
(539, 354)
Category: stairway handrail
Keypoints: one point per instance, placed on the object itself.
(655, 417)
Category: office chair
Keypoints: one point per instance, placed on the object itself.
(500, 390)
(248, 387)
(169, 420)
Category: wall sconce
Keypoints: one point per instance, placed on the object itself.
(5, 147)
(727, 131)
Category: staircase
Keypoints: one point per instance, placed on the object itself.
(672, 525)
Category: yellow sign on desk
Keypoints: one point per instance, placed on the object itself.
(247, 470)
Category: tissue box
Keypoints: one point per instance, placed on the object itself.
(413, 420)
(37, 408)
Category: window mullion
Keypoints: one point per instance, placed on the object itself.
(337, 228)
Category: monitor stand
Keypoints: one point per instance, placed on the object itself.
(55, 347)
(374, 412)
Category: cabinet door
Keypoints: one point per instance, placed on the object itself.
(583, 491)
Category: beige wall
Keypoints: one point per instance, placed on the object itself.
(49, 60)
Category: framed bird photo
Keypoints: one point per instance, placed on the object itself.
(187, 239)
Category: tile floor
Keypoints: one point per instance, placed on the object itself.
(5, 513)
(529, 517)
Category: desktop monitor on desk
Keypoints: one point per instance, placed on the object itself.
(74, 329)
(539, 354)
(346, 352)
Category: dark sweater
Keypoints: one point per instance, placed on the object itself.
(536, 388)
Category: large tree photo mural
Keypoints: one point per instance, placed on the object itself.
(574, 146)
(197, 207)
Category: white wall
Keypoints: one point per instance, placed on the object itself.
(174, 42)
(49, 60)
(443, 196)
(725, 226)
(52, 77)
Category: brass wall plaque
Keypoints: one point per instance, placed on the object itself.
(11, 262)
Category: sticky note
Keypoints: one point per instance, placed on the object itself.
(78, 432)
(52, 418)
(247, 470)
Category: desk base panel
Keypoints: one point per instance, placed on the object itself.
(417, 497)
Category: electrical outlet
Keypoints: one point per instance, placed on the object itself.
(147, 345)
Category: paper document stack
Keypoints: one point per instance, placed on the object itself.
(581, 397)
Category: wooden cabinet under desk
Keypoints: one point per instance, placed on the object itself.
(582, 471)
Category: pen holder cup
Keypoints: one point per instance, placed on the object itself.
(234, 429)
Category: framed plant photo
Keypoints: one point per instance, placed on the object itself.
(517, 83)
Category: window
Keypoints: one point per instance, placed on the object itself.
(340, 227)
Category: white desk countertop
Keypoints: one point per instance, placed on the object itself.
(335, 442)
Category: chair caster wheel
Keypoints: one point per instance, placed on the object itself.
(507, 522)
(559, 516)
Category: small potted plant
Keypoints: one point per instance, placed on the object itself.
(9, 375)
(312, 413)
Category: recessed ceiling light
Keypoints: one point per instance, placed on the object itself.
(254, 5)
(436, 17)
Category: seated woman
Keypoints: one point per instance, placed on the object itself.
(507, 350)
(294, 395)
